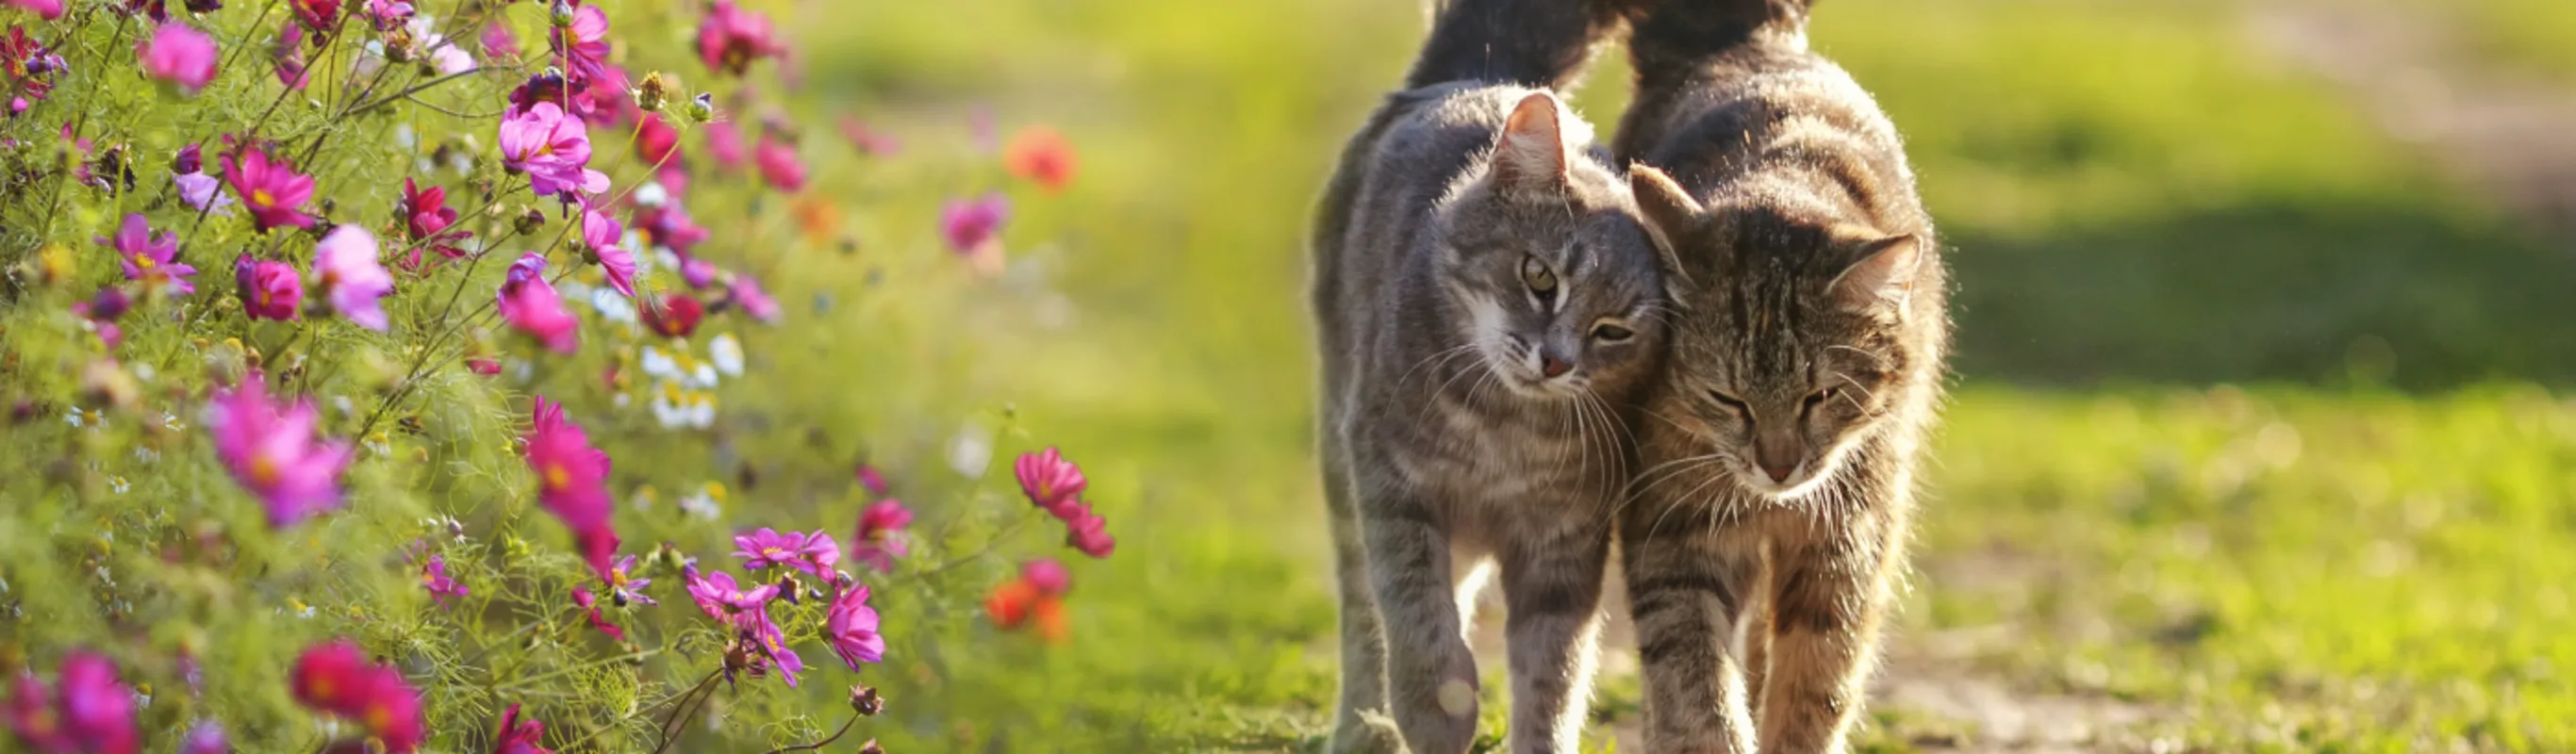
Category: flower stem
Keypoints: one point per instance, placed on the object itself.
(836, 735)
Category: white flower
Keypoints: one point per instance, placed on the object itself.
(651, 194)
(972, 449)
(118, 483)
(702, 375)
(146, 455)
(707, 503)
(658, 364)
(726, 352)
(76, 418)
(171, 422)
(612, 306)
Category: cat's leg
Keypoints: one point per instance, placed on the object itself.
(1363, 632)
(1753, 635)
(1829, 594)
(1431, 676)
(1552, 600)
(1684, 596)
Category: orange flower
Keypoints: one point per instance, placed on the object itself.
(819, 219)
(1019, 603)
(1040, 154)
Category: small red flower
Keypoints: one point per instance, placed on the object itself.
(676, 316)
(1041, 155)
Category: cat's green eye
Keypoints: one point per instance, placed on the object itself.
(1540, 279)
(1611, 333)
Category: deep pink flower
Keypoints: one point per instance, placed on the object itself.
(89, 711)
(583, 45)
(179, 54)
(50, 9)
(731, 38)
(778, 164)
(971, 224)
(552, 148)
(520, 736)
(147, 258)
(320, 16)
(717, 594)
(336, 678)
(1050, 578)
(698, 273)
(669, 226)
(675, 316)
(880, 537)
(272, 189)
(388, 15)
(498, 42)
(581, 596)
(724, 142)
(271, 449)
(851, 628)
(601, 232)
(268, 290)
(872, 479)
(530, 304)
(773, 642)
(30, 68)
(433, 576)
(483, 366)
(288, 56)
(345, 267)
(623, 586)
(428, 223)
(746, 293)
(868, 141)
(1050, 482)
(1090, 534)
(206, 738)
(814, 553)
(101, 312)
(572, 482)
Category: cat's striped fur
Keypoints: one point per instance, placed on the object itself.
(1466, 254)
(1770, 525)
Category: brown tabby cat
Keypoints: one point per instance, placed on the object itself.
(1485, 298)
(1764, 537)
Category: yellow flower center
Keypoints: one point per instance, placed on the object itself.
(263, 470)
(379, 718)
(262, 198)
(557, 477)
(143, 262)
(773, 553)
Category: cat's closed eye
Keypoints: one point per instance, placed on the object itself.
(1612, 332)
(1731, 403)
(1818, 398)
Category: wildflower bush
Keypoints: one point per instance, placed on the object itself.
(402, 377)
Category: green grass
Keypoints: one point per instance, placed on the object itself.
(2538, 36)
(2132, 200)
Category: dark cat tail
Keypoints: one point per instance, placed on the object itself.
(1533, 43)
(1680, 36)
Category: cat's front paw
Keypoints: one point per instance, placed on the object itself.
(1366, 732)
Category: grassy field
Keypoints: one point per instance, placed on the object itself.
(2356, 551)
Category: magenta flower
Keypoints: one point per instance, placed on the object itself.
(1050, 578)
(746, 293)
(851, 628)
(336, 678)
(622, 584)
(872, 479)
(773, 642)
(572, 482)
(1090, 534)
(731, 38)
(268, 290)
(656, 142)
(89, 711)
(520, 736)
(288, 56)
(179, 54)
(584, 44)
(880, 537)
(345, 267)
(101, 312)
(814, 553)
(49, 9)
(717, 594)
(669, 226)
(778, 164)
(724, 142)
(971, 224)
(428, 223)
(272, 189)
(433, 576)
(206, 738)
(552, 148)
(498, 42)
(148, 258)
(271, 449)
(388, 15)
(581, 596)
(1050, 482)
(530, 304)
(601, 232)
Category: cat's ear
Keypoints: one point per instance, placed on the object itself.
(1883, 273)
(1667, 211)
(1530, 154)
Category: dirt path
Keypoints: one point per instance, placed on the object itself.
(2510, 137)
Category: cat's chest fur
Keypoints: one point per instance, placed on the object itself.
(1449, 430)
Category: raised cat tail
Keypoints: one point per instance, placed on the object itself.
(1678, 36)
(1533, 43)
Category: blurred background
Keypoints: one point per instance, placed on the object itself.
(2260, 435)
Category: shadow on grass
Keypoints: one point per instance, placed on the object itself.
(2390, 295)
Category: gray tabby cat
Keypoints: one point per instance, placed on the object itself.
(1766, 534)
(1486, 301)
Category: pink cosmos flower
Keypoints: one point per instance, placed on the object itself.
(814, 553)
(869, 141)
(656, 142)
(552, 148)
(778, 164)
(698, 273)
(520, 736)
(773, 642)
(675, 316)
(148, 258)
(572, 482)
(49, 9)
(601, 232)
(388, 15)
(971, 224)
(581, 596)
(428, 223)
(732, 38)
(320, 16)
(498, 42)
(345, 267)
(268, 290)
(288, 56)
(89, 711)
(179, 54)
(1051, 483)
(200, 191)
(433, 576)
(1090, 534)
(872, 479)
(271, 449)
(851, 628)
(272, 189)
(583, 45)
(1050, 578)
(336, 678)
(669, 226)
(717, 594)
(724, 141)
(880, 537)
(206, 738)
(29, 68)
(623, 586)
(746, 292)
(530, 304)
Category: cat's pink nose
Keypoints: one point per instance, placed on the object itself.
(1553, 366)
(1779, 473)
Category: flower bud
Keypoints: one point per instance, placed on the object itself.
(871, 747)
(562, 16)
(530, 220)
(702, 109)
(650, 95)
(865, 700)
